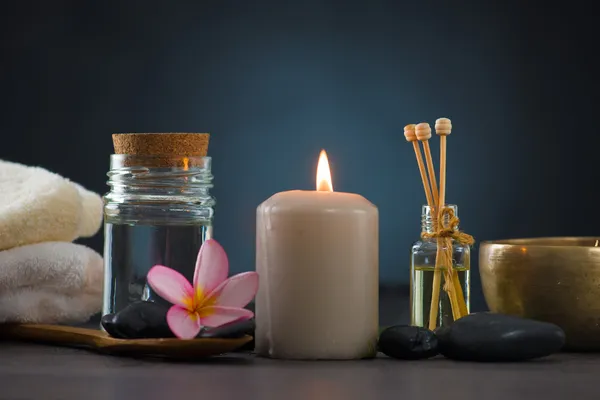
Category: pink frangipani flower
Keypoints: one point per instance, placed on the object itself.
(212, 301)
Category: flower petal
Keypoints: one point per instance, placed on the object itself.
(183, 323)
(236, 291)
(214, 316)
(170, 285)
(212, 267)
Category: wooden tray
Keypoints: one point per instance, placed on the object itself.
(100, 341)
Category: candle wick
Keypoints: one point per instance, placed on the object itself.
(324, 186)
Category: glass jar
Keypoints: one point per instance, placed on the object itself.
(451, 286)
(158, 212)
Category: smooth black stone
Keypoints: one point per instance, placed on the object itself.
(139, 320)
(108, 323)
(145, 320)
(497, 337)
(233, 330)
(408, 342)
(230, 331)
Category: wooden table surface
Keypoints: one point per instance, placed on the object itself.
(44, 372)
(29, 371)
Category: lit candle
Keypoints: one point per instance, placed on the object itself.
(317, 255)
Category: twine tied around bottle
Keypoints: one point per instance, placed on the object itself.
(448, 229)
(447, 224)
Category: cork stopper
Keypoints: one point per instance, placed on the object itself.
(165, 144)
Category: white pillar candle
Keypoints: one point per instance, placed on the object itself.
(317, 256)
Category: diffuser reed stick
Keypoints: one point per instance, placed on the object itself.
(410, 135)
(423, 130)
(444, 248)
(423, 135)
(443, 128)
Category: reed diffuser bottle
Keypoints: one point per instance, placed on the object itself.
(424, 285)
(440, 261)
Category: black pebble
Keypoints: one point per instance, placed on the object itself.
(408, 342)
(139, 320)
(147, 320)
(230, 331)
(497, 337)
(108, 323)
(233, 330)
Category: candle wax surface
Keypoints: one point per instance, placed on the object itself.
(317, 258)
(300, 200)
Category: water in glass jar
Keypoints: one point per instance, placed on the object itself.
(422, 288)
(132, 249)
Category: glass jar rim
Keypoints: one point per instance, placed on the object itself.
(118, 161)
(425, 209)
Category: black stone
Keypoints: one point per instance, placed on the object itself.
(139, 320)
(497, 337)
(108, 323)
(233, 330)
(146, 320)
(408, 342)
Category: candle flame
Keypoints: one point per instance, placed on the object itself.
(324, 174)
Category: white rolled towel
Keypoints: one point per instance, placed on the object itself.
(92, 209)
(50, 283)
(37, 206)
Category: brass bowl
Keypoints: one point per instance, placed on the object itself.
(555, 280)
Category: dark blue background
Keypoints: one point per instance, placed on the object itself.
(276, 81)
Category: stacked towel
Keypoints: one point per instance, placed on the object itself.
(44, 278)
